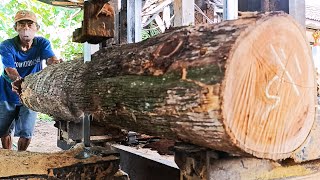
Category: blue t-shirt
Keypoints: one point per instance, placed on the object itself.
(26, 63)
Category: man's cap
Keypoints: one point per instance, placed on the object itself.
(25, 15)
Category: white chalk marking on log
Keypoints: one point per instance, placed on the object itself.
(276, 98)
(147, 105)
(297, 63)
(134, 117)
(284, 69)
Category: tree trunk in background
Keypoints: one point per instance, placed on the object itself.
(244, 87)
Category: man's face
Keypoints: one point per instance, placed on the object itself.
(26, 30)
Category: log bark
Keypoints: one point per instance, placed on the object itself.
(60, 165)
(244, 87)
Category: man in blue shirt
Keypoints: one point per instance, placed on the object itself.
(20, 56)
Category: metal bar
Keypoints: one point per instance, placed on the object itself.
(297, 10)
(86, 49)
(117, 4)
(143, 164)
(230, 9)
(86, 129)
(134, 26)
(130, 21)
(138, 20)
(86, 52)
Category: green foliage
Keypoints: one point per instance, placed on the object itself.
(151, 30)
(56, 24)
(44, 117)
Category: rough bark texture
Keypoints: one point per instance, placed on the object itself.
(215, 86)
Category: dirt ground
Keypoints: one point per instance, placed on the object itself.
(44, 139)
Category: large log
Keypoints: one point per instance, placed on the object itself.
(244, 87)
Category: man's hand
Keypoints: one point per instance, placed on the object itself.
(54, 60)
(16, 86)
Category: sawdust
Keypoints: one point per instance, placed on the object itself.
(282, 172)
(42, 154)
(28, 163)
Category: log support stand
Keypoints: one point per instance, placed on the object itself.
(198, 163)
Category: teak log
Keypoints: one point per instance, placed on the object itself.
(60, 165)
(244, 87)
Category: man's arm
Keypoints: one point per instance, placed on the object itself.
(16, 79)
(53, 60)
(12, 73)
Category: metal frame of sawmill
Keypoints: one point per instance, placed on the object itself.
(139, 165)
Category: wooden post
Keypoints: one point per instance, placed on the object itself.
(184, 12)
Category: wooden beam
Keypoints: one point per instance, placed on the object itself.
(183, 12)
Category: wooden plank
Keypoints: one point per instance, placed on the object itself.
(157, 9)
(166, 17)
(160, 23)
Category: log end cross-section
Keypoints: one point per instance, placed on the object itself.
(269, 89)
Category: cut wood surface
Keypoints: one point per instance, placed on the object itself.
(244, 87)
(61, 165)
(260, 169)
(199, 163)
